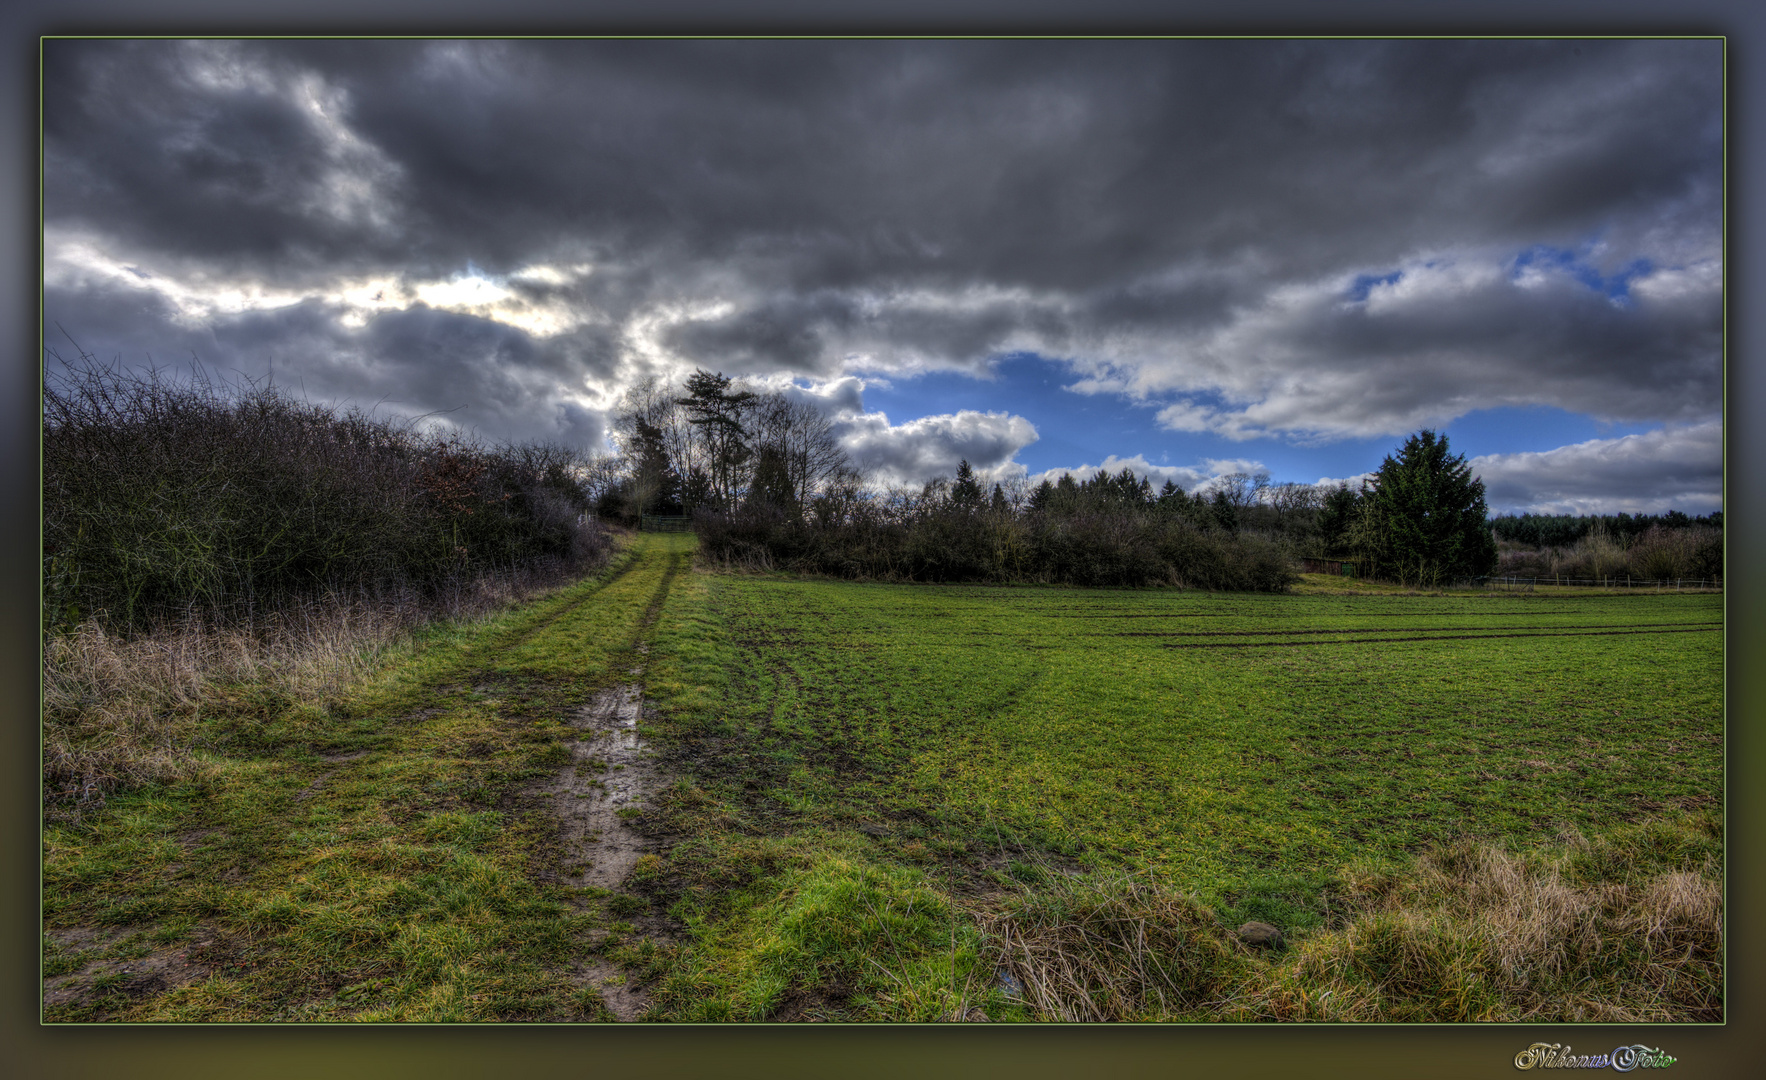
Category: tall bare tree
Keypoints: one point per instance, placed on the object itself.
(803, 437)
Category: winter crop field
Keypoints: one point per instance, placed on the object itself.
(1244, 745)
(1460, 806)
(669, 793)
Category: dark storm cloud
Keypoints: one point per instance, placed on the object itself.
(473, 374)
(1189, 222)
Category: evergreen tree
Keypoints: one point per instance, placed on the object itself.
(1427, 519)
(772, 488)
(966, 492)
(1335, 517)
(656, 488)
(1225, 513)
(719, 412)
(1065, 498)
(1172, 502)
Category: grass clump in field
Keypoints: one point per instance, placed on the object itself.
(821, 930)
(1624, 928)
(1110, 946)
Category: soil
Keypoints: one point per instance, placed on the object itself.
(597, 799)
(611, 770)
(159, 969)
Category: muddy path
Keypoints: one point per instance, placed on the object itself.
(612, 773)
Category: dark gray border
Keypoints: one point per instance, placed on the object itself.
(34, 1051)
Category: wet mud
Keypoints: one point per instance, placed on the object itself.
(611, 771)
(612, 774)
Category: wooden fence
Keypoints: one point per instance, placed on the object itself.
(1603, 583)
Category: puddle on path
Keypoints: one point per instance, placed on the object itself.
(611, 770)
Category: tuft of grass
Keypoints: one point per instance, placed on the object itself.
(1606, 930)
(1109, 946)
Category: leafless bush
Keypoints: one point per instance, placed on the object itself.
(160, 494)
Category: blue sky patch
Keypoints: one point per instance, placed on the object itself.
(1616, 286)
(1084, 429)
(1364, 283)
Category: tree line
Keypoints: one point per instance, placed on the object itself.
(1562, 530)
(162, 495)
(766, 482)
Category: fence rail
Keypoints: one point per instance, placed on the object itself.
(1605, 582)
(665, 523)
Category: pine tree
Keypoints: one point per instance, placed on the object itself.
(1226, 515)
(656, 486)
(719, 412)
(1335, 517)
(966, 492)
(1425, 516)
(771, 488)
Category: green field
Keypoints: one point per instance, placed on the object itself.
(1243, 750)
(882, 797)
(1225, 740)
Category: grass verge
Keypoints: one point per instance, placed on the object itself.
(372, 853)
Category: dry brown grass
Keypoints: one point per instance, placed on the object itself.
(1108, 948)
(1476, 932)
(1624, 929)
(125, 709)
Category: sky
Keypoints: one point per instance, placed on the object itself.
(1188, 258)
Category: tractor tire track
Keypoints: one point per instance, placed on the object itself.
(1427, 637)
(612, 773)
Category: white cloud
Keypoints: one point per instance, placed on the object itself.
(932, 446)
(1674, 468)
(836, 398)
(1191, 478)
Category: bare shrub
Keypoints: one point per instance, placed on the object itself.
(160, 494)
(1665, 554)
(1599, 554)
(1659, 553)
